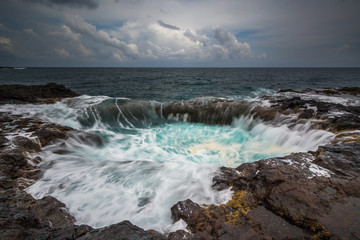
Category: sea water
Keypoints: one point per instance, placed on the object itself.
(147, 163)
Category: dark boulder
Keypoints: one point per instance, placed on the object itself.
(48, 93)
(121, 231)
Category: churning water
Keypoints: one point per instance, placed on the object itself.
(148, 163)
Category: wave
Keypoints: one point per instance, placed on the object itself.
(156, 154)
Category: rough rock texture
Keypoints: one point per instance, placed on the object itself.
(314, 195)
(283, 199)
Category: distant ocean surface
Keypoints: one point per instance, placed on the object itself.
(166, 84)
(149, 162)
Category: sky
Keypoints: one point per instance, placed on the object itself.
(174, 33)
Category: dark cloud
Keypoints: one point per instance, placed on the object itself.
(91, 4)
(288, 33)
(165, 25)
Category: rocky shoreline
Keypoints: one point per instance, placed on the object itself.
(313, 195)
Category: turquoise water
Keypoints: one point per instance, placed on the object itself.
(148, 163)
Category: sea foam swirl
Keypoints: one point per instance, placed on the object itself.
(149, 161)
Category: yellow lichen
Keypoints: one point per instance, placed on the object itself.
(232, 218)
(239, 205)
(321, 235)
(232, 211)
(207, 212)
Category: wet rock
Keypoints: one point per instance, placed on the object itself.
(227, 221)
(287, 90)
(290, 197)
(350, 90)
(180, 235)
(13, 157)
(346, 122)
(275, 226)
(307, 113)
(225, 178)
(343, 219)
(26, 144)
(342, 159)
(293, 102)
(11, 161)
(48, 134)
(346, 137)
(69, 232)
(299, 196)
(3, 141)
(124, 231)
(87, 138)
(53, 211)
(48, 93)
(312, 203)
(192, 214)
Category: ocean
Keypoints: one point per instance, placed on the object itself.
(167, 84)
(149, 162)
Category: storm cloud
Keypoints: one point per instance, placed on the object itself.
(235, 33)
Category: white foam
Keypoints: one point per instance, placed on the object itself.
(141, 172)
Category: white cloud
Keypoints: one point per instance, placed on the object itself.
(229, 47)
(158, 42)
(79, 25)
(204, 40)
(61, 52)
